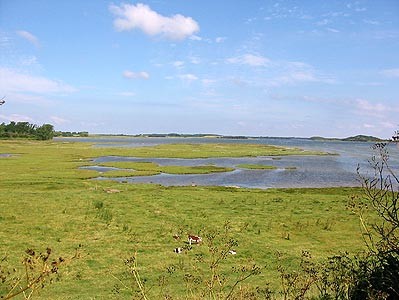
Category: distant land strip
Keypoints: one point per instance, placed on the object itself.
(356, 138)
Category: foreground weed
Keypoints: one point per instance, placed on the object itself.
(39, 269)
(203, 273)
(298, 283)
(131, 264)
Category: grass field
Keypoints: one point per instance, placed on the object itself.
(46, 201)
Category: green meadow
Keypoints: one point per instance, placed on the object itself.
(47, 201)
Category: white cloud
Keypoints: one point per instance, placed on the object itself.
(5, 41)
(220, 39)
(380, 128)
(322, 22)
(127, 94)
(277, 73)
(364, 107)
(188, 77)
(239, 81)
(208, 82)
(15, 81)
(210, 93)
(367, 106)
(195, 60)
(390, 125)
(28, 61)
(58, 120)
(370, 83)
(390, 72)
(16, 118)
(250, 60)
(29, 37)
(333, 30)
(135, 75)
(195, 38)
(29, 99)
(293, 72)
(178, 63)
(141, 16)
(302, 76)
(371, 22)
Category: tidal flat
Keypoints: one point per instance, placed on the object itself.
(47, 201)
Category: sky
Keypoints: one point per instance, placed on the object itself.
(244, 67)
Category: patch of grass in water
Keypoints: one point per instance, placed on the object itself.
(262, 167)
(150, 168)
(256, 167)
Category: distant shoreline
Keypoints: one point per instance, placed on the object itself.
(357, 138)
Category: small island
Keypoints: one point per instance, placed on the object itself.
(356, 138)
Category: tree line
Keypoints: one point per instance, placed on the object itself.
(71, 133)
(26, 130)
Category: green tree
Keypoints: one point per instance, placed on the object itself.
(24, 129)
(45, 132)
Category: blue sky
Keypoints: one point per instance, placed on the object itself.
(269, 68)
